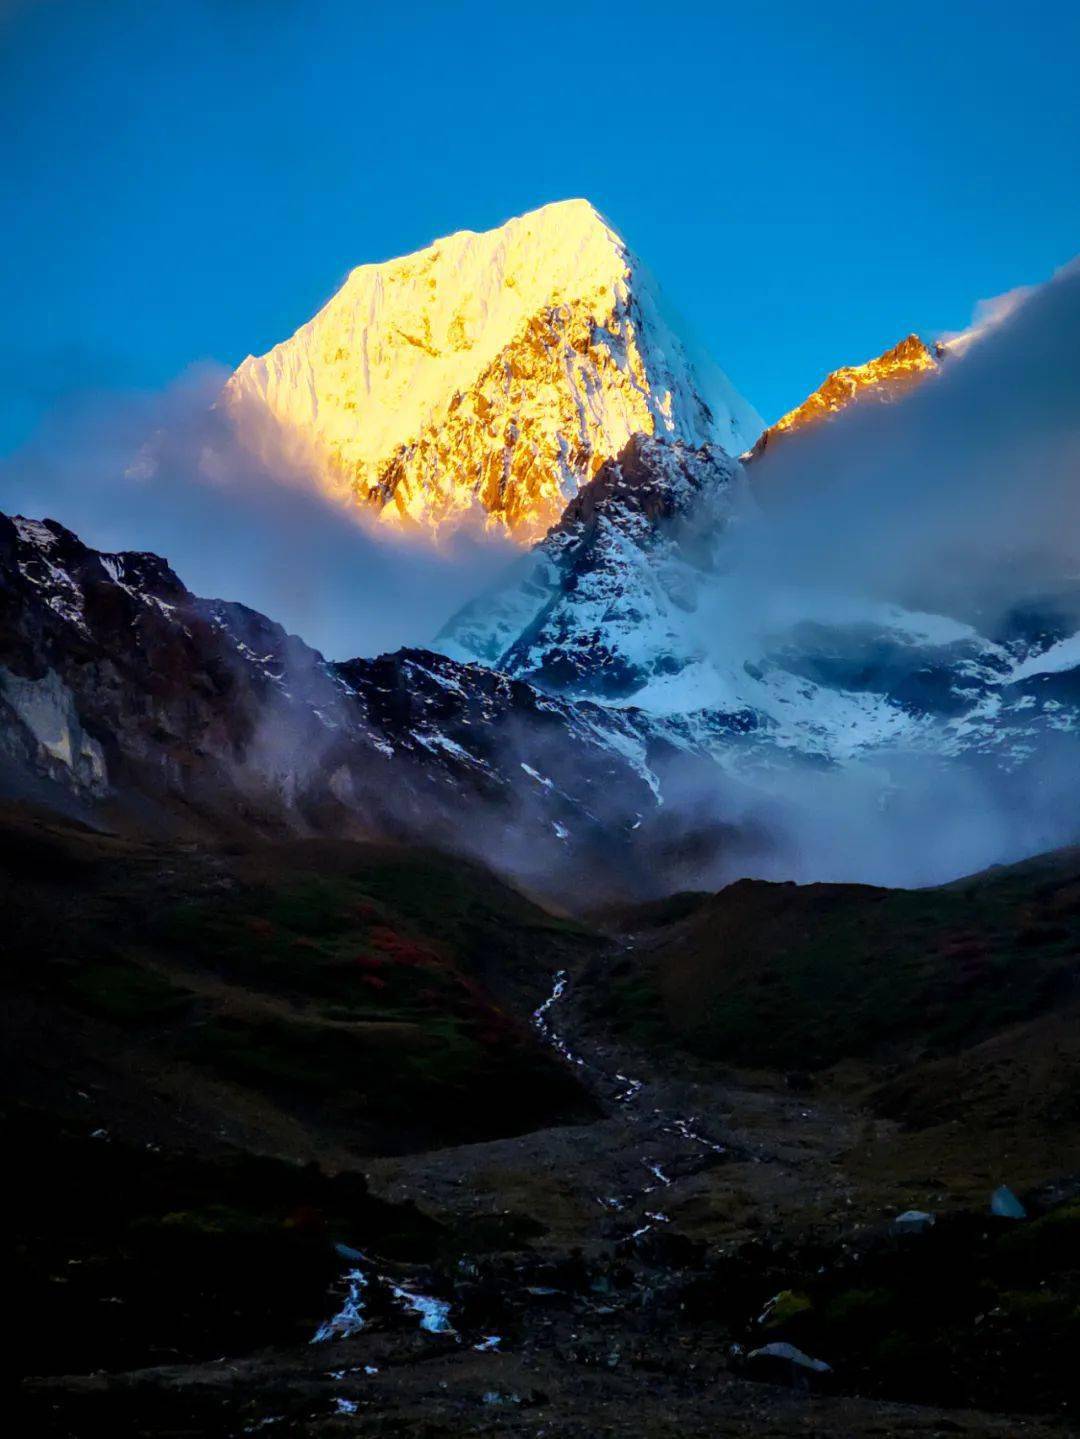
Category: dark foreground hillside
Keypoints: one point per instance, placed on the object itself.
(808, 975)
(262, 1094)
(954, 1012)
(323, 999)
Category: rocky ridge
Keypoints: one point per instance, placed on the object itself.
(597, 607)
(880, 381)
(122, 692)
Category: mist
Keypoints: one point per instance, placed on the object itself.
(959, 498)
(962, 500)
(898, 819)
(165, 471)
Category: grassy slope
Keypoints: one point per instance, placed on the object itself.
(195, 1037)
(315, 999)
(780, 975)
(954, 1015)
(951, 1013)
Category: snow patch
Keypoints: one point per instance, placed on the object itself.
(1065, 655)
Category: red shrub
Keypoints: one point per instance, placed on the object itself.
(401, 949)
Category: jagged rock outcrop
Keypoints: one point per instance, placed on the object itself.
(880, 381)
(598, 607)
(487, 376)
(133, 703)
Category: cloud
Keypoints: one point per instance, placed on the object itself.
(962, 500)
(961, 497)
(164, 471)
(988, 314)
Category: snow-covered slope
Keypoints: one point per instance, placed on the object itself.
(599, 606)
(489, 374)
(120, 688)
(629, 600)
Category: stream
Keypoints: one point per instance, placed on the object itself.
(613, 1087)
(433, 1314)
(622, 1089)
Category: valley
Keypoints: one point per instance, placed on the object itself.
(510, 1190)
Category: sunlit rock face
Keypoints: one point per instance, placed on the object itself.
(486, 377)
(882, 380)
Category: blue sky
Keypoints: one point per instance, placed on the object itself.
(809, 182)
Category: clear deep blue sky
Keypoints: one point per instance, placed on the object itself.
(808, 181)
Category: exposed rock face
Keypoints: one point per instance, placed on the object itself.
(120, 687)
(882, 380)
(51, 737)
(487, 376)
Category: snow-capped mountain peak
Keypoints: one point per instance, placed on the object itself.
(490, 373)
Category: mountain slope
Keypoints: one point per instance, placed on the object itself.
(643, 599)
(124, 695)
(804, 976)
(488, 374)
(318, 997)
(622, 599)
(598, 607)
